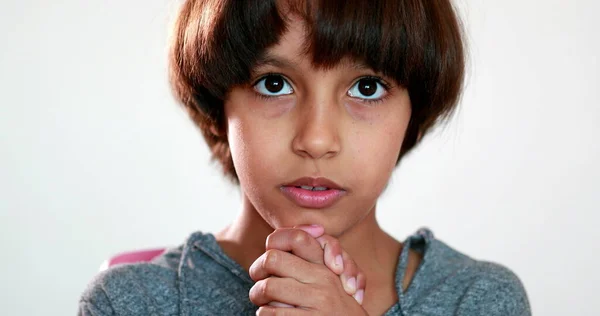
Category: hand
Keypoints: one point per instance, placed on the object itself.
(337, 260)
(302, 268)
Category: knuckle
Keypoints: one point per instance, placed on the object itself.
(271, 241)
(334, 243)
(266, 288)
(252, 271)
(255, 293)
(271, 260)
(349, 262)
(300, 237)
(274, 238)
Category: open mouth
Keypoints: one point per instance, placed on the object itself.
(316, 193)
(311, 188)
(312, 197)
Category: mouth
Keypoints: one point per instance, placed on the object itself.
(316, 193)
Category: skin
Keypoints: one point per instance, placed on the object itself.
(318, 130)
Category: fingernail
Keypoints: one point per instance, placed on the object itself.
(359, 295)
(351, 284)
(313, 230)
(339, 262)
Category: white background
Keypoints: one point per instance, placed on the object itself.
(97, 158)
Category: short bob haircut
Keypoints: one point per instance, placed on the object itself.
(216, 43)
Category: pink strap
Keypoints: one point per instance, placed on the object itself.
(135, 256)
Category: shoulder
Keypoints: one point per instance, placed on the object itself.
(134, 289)
(486, 288)
(453, 281)
(494, 290)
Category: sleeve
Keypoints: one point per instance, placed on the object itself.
(115, 291)
(498, 293)
(131, 289)
(95, 302)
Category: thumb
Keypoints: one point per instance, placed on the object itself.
(313, 230)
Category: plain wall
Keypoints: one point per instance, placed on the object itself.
(96, 157)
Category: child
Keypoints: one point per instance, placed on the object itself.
(309, 106)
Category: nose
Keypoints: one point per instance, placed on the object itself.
(317, 130)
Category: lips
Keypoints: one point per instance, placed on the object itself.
(314, 193)
(314, 182)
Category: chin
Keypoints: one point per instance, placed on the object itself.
(296, 218)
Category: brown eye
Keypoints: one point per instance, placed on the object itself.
(273, 85)
(368, 89)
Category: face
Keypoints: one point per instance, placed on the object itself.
(294, 121)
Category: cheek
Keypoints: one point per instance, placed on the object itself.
(255, 149)
(376, 147)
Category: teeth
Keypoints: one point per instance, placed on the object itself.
(308, 187)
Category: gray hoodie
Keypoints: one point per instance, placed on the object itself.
(198, 278)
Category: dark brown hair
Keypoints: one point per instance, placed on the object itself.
(216, 43)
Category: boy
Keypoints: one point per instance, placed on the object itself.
(309, 106)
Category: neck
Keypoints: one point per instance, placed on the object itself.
(373, 250)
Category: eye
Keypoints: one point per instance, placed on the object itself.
(273, 85)
(368, 88)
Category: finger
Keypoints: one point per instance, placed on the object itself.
(350, 274)
(332, 253)
(361, 280)
(297, 241)
(278, 304)
(352, 278)
(270, 310)
(283, 264)
(313, 230)
(283, 290)
(359, 295)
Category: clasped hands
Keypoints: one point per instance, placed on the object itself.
(306, 272)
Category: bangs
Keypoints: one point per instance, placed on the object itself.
(412, 42)
(358, 30)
